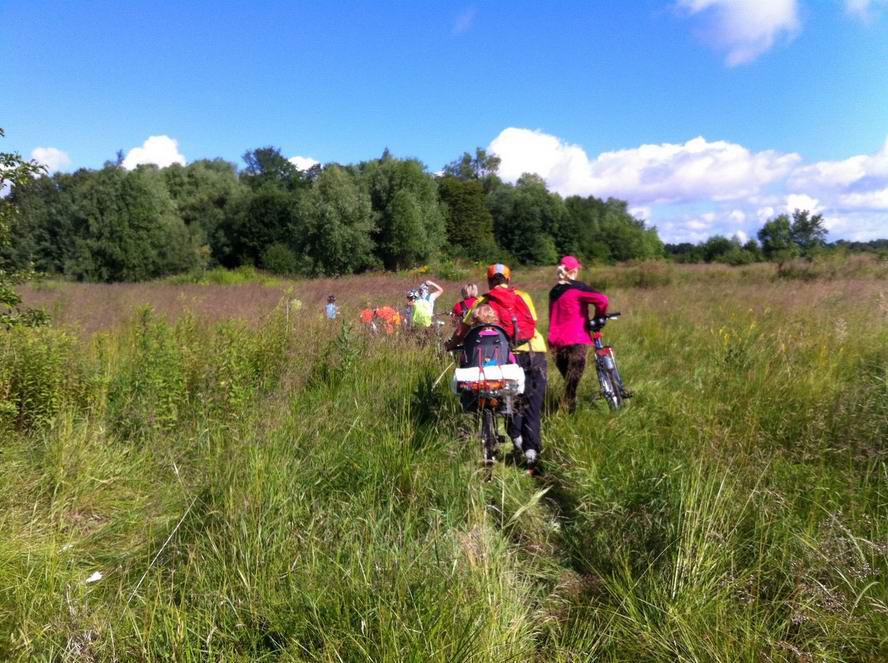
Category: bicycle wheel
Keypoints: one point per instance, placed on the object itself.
(488, 435)
(609, 391)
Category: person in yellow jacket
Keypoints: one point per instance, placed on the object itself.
(517, 315)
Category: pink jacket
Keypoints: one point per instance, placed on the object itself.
(569, 313)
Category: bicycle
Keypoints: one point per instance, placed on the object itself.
(612, 389)
(491, 387)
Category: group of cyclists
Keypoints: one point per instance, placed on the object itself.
(417, 314)
(569, 335)
(569, 338)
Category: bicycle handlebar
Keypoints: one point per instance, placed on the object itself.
(598, 323)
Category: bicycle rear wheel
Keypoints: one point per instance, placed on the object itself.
(488, 435)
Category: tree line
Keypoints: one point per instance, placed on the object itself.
(114, 224)
(801, 234)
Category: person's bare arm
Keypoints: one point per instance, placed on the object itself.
(432, 284)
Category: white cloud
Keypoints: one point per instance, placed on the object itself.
(863, 9)
(867, 200)
(839, 175)
(764, 213)
(647, 174)
(741, 237)
(303, 163)
(859, 182)
(700, 188)
(52, 157)
(644, 213)
(464, 21)
(745, 28)
(857, 226)
(802, 201)
(162, 151)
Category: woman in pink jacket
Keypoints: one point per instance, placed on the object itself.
(569, 335)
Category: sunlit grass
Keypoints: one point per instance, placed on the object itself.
(289, 489)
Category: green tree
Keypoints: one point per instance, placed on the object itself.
(43, 232)
(718, 246)
(807, 231)
(335, 225)
(129, 229)
(410, 222)
(468, 221)
(529, 221)
(280, 259)
(607, 231)
(205, 193)
(253, 222)
(776, 239)
(14, 172)
(482, 167)
(266, 165)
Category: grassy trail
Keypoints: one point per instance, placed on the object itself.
(259, 492)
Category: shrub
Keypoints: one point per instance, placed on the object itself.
(280, 259)
(39, 374)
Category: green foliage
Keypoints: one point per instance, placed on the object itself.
(113, 225)
(782, 238)
(410, 224)
(776, 239)
(204, 193)
(481, 168)
(219, 276)
(267, 167)
(280, 259)
(469, 223)
(39, 376)
(268, 216)
(525, 216)
(15, 172)
(335, 225)
(808, 231)
(337, 362)
(150, 391)
(606, 231)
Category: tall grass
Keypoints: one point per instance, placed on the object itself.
(289, 489)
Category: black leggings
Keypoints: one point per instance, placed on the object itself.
(529, 409)
(571, 362)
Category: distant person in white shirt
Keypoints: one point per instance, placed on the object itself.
(426, 292)
(331, 307)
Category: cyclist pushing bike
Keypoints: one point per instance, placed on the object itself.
(570, 331)
(516, 316)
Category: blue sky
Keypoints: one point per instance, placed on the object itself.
(706, 115)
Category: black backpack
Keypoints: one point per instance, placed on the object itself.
(486, 345)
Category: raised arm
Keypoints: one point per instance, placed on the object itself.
(438, 289)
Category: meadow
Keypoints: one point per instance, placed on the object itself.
(205, 469)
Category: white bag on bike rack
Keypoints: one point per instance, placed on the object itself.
(479, 379)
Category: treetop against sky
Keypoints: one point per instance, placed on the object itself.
(708, 116)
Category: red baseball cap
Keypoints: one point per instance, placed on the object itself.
(569, 262)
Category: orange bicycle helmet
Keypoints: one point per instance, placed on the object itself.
(499, 268)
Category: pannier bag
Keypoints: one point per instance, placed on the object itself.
(487, 369)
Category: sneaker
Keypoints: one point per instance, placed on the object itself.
(530, 461)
